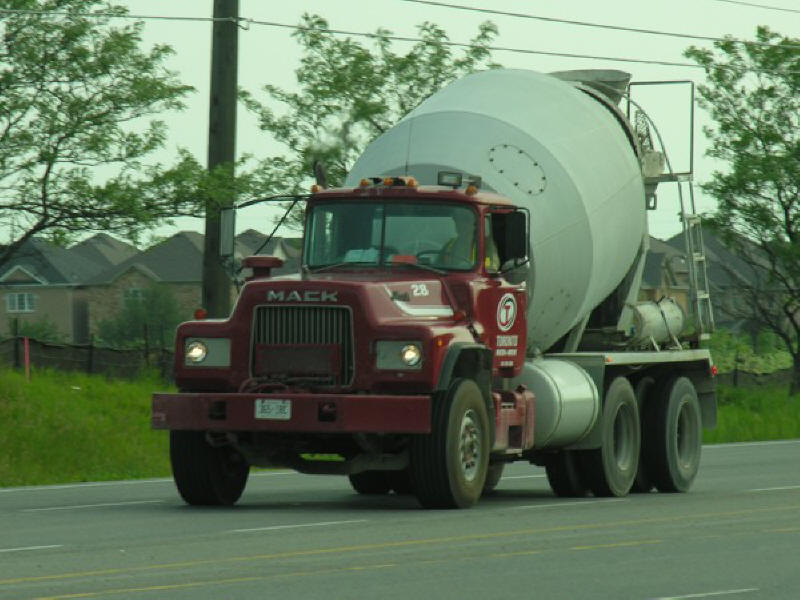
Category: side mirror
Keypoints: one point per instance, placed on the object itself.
(515, 237)
(227, 229)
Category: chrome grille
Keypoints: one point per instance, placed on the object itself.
(315, 325)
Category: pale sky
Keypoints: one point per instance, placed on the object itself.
(270, 55)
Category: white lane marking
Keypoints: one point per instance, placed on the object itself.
(91, 505)
(276, 527)
(524, 476)
(775, 489)
(709, 594)
(26, 548)
(605, 500)
(89, 484)
(748, 444)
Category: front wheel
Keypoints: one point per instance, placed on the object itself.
(370, 482)
(206, 475)
(449, 465)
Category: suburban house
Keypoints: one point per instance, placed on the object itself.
(43, 283)
(176, 263)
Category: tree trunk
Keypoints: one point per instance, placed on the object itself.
(794, 387)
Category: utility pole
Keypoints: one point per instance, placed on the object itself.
(221, 148)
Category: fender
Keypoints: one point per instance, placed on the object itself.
(466, 359)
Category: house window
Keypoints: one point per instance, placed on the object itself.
(133, 294)
(20, 302)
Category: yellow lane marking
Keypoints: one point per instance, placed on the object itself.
(785, 530)
(616, 545)
(400, 544)
(195, 584)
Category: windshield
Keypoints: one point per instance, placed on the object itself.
(381, 233)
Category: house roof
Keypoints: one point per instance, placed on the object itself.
(104, 250)
(51, 264)
(724, 268)
(178, 259)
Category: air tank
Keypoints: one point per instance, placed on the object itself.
(562, 152)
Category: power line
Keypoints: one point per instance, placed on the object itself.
(764, 6)
(689, 36)
(400, 38)
(246, 22)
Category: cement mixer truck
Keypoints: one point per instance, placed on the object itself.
(469, 298)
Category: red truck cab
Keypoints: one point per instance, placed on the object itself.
(384, 351)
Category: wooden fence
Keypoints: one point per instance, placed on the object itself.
(87, 358)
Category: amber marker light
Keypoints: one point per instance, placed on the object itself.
(471, 190)
(364, 183)
(388, 181)
(316, 188)
(200, 314)
(411, 182)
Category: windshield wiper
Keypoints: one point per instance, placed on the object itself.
(358, 263)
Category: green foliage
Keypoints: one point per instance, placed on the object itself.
(754, 414)
(63, 427)
(753, 95)
(349, 94)
(43, 330)
(155, 313)
(76, 94)
(731, 350)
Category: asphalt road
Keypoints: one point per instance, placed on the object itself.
(735, 535)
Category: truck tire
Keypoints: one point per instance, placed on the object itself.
(370, 482)
(493, 475)
(610, 469)
(563, 474)
(673, 439)
(448, 466)
(642, 483)
(206, 475)
(400, 482)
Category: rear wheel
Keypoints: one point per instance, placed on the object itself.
(673, 438)
(609, 470)
(448, 466)
(370, 482)
(205, 474)
(642, 483)
(563, 474)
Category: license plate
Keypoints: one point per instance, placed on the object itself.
(273, 410)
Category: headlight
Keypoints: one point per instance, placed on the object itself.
(398, 355)
(196, 352)
(410, 354)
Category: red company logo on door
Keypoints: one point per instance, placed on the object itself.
(506, 312)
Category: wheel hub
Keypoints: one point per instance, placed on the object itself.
(470, 445)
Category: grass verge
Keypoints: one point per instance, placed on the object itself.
(66, 427)
(748, 414)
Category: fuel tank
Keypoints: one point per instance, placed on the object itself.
(559, 149)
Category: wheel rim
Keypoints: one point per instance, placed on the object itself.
(687, 436)
(470, 445)
(623, 438)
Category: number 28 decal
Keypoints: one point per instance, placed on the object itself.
(419, 289)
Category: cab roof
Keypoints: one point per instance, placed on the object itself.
(397, 191)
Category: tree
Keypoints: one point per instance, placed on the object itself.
(350, 94)
(753, 95)
(76, 98)
(147, 320)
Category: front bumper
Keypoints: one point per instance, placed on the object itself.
(310, 413)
